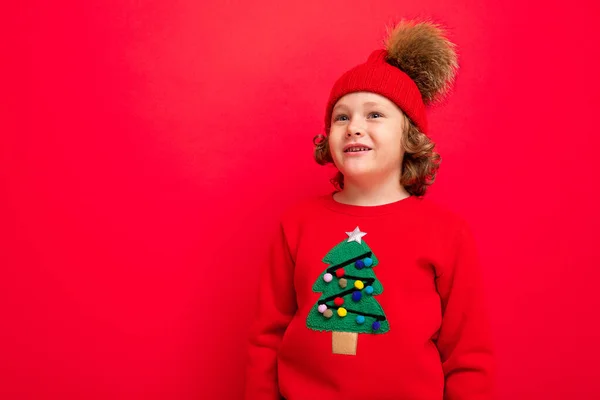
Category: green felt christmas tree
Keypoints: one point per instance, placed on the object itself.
(347, 305)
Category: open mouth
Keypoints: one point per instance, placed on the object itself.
(357, 149)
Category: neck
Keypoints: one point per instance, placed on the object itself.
(370, 193)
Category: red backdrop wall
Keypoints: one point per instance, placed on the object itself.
(148, 149)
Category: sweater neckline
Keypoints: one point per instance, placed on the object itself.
(367, 211)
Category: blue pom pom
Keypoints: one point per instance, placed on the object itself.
(356, 296)
(369, 289)
(376, 325)
(360, 320)
(359, 264)
(368, 262)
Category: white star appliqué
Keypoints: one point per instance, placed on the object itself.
(355, 235)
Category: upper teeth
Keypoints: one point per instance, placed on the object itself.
(357, 149)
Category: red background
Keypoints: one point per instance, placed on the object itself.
(148, 148)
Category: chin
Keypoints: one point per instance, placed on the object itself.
(357, 173)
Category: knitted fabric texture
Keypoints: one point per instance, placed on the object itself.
(378, 76)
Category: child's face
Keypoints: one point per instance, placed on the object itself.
(373, 121)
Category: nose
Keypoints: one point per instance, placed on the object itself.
(354, 129)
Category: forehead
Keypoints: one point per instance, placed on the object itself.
(360, 99)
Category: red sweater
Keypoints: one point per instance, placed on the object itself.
(380, 302)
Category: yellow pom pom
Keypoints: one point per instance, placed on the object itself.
(359, 285)
(342, 312)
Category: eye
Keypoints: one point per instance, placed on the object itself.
(376, 114)
(340, 117)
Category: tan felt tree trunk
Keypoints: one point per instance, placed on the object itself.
(344, 342)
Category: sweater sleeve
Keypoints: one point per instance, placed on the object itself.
(276, 307)
(464, 340)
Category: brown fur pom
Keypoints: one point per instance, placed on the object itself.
(422, 51)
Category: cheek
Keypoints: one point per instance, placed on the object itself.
(392, 148)
(334, 143)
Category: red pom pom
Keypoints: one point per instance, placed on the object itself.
(338, 301)
(340, 272)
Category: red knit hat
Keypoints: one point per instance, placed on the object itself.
(378, 76)
(416, 68)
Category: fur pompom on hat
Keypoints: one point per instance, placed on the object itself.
(416, 68)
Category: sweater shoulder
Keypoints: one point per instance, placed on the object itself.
(448, 232)
(441, 214)
(296, 215)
